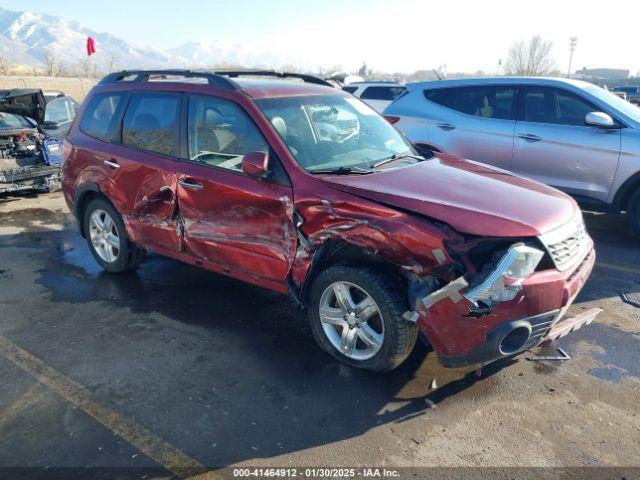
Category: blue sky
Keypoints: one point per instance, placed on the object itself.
(167, 24)
(390, 35)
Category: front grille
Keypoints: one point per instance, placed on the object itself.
(563, 251)
(566, 243)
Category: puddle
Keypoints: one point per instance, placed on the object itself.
(279, 332)
(609, 374)
(620, 351)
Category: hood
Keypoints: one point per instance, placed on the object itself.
(470, 197)
(26, 102)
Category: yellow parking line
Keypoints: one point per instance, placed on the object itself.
(170, 457)
(24, 402)
(620, 268)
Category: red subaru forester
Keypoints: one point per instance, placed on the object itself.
(282, 181)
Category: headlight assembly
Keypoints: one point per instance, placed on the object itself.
(505, 281)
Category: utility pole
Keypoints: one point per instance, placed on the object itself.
(573, 41)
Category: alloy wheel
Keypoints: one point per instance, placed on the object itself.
(351, 320)
(104, 236)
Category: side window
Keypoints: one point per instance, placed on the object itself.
(442, 96)
(486, 102)
(554, 106)
(572, 109)
(99, 119)
(151, 122)
(220, 133)
(382, 93)
(350, 89)
(58, 111)
(538, 106)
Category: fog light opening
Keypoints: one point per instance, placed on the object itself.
(514, 340)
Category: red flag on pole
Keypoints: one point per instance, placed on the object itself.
(91, 46)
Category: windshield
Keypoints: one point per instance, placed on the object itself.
(330, 132)
(615, 101)
(11, 120)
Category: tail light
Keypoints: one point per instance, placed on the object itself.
(391, 119)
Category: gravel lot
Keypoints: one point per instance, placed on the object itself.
(177, 368)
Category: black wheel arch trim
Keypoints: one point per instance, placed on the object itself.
(625, 191)
(78, 197)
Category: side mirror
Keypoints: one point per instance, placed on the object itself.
(255, 164)
(599, 119)
(49, 125)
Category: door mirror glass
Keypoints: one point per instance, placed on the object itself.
(599, 119)
(255, 164)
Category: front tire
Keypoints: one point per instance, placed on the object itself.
(633, 212)
(356, 316)
(107, 238)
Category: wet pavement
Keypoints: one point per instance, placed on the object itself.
(225, 373)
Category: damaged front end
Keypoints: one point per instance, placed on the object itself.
(504, 278)
(515, 301)
(29, 159)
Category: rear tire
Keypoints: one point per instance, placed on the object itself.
(377, 338)
(633, 212)
(107, 238)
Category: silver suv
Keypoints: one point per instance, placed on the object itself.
(569, 134)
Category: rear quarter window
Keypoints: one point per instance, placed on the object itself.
(100, 117)
(350, 89)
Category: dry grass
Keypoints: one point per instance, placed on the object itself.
(75, 87)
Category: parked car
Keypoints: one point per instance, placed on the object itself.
(378, 95)
(61, 110)
(231, 174)
(631, 92)
(29, 157)
(569, 134)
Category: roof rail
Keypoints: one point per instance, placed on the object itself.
(217, 78)
(273, 73)
(213, 78)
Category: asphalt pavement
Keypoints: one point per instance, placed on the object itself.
(173, 370)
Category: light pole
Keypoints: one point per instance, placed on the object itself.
(573, 41)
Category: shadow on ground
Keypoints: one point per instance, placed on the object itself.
(233, 367)
(227, 371)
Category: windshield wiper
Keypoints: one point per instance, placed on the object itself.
(343, 170)
(397, 156)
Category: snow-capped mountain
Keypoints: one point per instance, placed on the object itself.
(29, 38)
(25, 38)
(203, 54)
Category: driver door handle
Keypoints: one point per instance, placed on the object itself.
(190, 184)
(530, 137)
(111, 163)
(445, 126)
